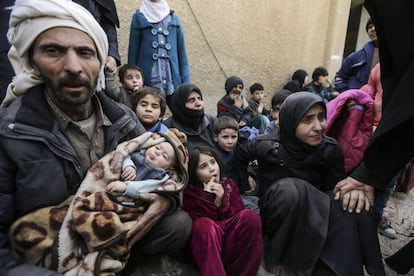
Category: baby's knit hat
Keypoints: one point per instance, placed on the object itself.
(232, 82)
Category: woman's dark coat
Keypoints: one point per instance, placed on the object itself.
(391, 146)
(302, 224)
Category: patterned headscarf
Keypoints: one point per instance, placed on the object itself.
(28, 20)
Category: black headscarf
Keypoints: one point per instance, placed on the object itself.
(297, 82)
(300, 75)
(191, 118)
(293, 86)
(291, 113)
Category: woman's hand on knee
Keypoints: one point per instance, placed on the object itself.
(357, 200)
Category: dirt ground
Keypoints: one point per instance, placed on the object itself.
(400, 207)
(400, 212)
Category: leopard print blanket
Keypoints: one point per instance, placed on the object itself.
(86, 234)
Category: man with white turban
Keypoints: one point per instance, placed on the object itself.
(55, 123)
(28, 21)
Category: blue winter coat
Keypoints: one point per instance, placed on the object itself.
(141, 51)
(355, 69)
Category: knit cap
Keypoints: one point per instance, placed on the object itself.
(232, 82)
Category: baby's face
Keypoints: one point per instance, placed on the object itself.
(161, 155)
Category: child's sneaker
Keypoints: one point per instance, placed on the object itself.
(385, 228)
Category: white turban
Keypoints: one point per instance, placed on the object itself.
(30, 18)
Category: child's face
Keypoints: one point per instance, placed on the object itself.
(275, 112)
(132, 80)
(258, 95)
(312, 126)
(148, 110)
(323, 80)
(194, 102)
(161, 155)
(207, 168)
(227, 139)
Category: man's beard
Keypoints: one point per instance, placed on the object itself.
(62, 98)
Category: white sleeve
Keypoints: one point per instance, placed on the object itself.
(128, 162)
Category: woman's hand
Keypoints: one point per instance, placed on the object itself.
(354, 195)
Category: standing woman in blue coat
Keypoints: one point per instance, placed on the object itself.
(156, 44)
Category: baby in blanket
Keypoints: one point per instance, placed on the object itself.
(147, 169)
(89, 232)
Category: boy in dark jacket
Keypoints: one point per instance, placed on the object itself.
(226, 136)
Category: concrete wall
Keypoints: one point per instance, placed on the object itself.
(362, 33)
(260, 41)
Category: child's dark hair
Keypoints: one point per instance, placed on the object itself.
(194, 158)
(123, 69)
(223, 123)
(149, 90)
(319, 71)
(279, 97)
(256, 86)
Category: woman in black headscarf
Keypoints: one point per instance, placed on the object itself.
(303, 226)
(187, 107)
(299, 79)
